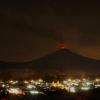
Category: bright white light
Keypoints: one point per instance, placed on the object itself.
(89, 83)
(72, 90)
(97, 85)
(3, 85)
(85, 88)
(34, 92)
(30, 86)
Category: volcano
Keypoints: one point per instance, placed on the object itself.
(67, 60)
(57, 63)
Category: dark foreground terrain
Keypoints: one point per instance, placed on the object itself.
(90, 95)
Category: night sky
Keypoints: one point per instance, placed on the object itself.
(31, 29)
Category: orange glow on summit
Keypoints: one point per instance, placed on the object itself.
(61, 45)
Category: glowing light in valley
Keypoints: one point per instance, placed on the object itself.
(29, 86)
(34, 86)
(97, 80)
(26, 82)
(85, 88)
(34, 92)
(15, 91)
(97, 85)
(3, 85)
(72, 90)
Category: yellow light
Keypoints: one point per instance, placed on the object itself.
(32, 81)
(84, 79)
(3, 85)
(40, 80)
(26, 82)
(64, 82)
(97, 80)
(11, 81)
(67, 88)
(69, 80)
(15, 91)
(57, 85)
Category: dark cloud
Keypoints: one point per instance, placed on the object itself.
(31, 29)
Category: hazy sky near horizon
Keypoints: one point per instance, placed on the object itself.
(31, 29)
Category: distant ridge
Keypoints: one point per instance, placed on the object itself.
(67, 60)
(61, 61)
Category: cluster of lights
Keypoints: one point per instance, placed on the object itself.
(33, 86)
(28, 86)
(16, 91)
(75, 85)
